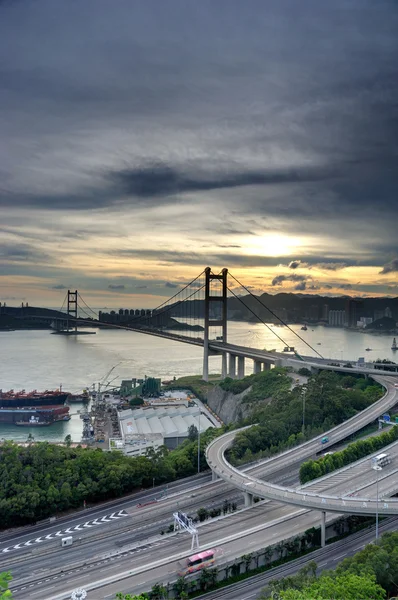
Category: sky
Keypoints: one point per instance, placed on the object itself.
(143, 140)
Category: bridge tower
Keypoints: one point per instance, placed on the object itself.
(72, 309)
(214, 284)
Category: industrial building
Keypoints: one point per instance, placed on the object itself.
(154, 426)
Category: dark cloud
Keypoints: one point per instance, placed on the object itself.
(170, 285)
(116, 287)
(20, 252)
(279, 279)
(59, 287)
(164, 180)
(330, 266)
(281, 115)
(390, 267)
(141, 287)
(294, 264)
(301, 286)
(345, 286)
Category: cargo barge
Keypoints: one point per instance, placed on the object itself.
(21, 399)
(34, 415)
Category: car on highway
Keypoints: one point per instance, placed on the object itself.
(324, 440)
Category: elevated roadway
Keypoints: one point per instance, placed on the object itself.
(215, 455)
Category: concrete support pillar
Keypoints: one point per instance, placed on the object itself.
(224, 371)
(256, 366)
(214, 476)
(241, 367)
(205, 372)
(323, 529)
(248, 499)
(266, 366)
(232, 366)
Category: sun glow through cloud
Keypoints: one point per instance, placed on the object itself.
(273, 245)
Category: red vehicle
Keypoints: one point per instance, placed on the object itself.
(199, 561)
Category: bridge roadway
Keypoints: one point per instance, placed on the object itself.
(258, 355)
(93, 557)
(323, 502)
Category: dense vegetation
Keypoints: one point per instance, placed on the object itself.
(329, 399)
(370, 574)
(42, 479)
(311, 469)
(267, 384)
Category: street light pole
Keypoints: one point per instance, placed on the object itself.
(377, 468)
(199, 443)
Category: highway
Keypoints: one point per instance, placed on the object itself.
(247, 529)
(326, 558)
(215, 455)
(133, 542)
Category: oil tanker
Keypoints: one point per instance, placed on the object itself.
(34, 408)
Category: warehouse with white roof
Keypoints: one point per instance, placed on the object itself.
(146, 427)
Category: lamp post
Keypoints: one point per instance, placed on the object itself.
(199, 442)
(377, 468)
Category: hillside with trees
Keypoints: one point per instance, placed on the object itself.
(329, 399)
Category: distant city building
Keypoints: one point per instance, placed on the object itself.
(353, 308)
(363, 321)
(388, 313)
(325, 312)
(337, 318)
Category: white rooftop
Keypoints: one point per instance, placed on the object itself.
(172, 421)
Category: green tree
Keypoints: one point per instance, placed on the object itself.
(5, 578)
(68, 440)
(158, 591)
(347, 586)
(193, 433)
(181, 588)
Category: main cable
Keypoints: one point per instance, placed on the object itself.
(276, 316)
(257, 317)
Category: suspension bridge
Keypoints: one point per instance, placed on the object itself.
(198, 314)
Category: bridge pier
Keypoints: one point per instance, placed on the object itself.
(214, 476)
(323, 529)
(266, 366)
(256, 367)
(248, 499)
(232, 366)
(241, 367)
(224, 371)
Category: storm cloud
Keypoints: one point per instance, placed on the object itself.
(210, 125)
(390, 267)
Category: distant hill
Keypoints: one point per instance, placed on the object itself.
(384, 324)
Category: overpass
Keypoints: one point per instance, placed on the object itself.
(252, 486)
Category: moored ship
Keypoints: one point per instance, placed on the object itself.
(21, 399)
(394, 345)
(34, 415)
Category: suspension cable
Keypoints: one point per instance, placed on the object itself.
(257, 317)
(276, 316)
(85, 303)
